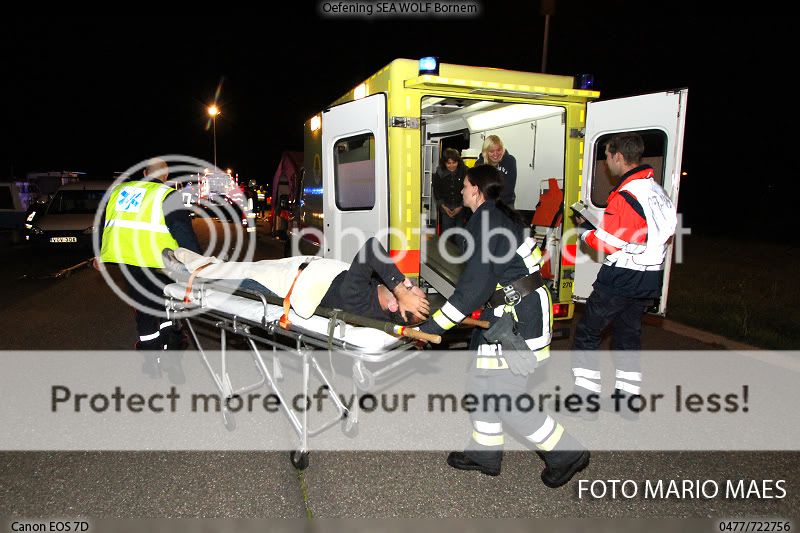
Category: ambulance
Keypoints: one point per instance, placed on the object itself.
(369, 159)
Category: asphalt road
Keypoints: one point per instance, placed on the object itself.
(80, 312)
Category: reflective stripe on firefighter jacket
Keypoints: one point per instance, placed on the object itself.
(135, 230)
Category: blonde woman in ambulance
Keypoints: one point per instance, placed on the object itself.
(495, 154)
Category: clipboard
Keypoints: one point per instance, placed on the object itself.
(579, 208)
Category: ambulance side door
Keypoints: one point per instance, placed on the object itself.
(355, 176)
(659, 119)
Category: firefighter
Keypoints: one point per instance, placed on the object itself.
(141, 219)
(635, 229)
(504, 273)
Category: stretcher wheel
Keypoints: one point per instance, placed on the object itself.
(299, 459)
(230, 420)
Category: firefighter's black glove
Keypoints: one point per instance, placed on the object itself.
(521, 363)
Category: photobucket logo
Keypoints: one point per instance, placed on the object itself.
(134, 216)
(497, 245)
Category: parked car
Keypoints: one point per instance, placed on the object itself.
(68, 221)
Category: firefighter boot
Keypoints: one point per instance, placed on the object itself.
(489, 465)
(569, 458)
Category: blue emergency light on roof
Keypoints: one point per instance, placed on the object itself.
(429, 65)
(584, 81)
(311, 191)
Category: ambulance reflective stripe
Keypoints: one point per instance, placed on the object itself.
(531, 255)
(547, 436)
(133, 224)
(629, 382)
(442, 320)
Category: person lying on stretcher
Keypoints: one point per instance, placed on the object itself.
(371, 286)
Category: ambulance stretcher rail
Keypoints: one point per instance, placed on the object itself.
(362, 377)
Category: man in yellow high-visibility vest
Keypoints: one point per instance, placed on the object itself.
(141, 219)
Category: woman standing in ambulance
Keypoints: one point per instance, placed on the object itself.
(495, 154)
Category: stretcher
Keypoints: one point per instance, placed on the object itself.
(256, 318)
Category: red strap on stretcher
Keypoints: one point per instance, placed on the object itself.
(284, 321)
(187, 295)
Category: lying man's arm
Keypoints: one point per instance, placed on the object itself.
(373, 257)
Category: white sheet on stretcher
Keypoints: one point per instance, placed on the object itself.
(277, 275)
(368, 339)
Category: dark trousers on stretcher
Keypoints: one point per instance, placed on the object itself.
(604, 309)
(154, 330)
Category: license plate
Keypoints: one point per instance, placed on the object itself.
(63, 239)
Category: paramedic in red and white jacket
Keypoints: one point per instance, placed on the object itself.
(630, 277)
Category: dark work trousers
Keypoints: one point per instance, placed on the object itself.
(154, 330)
(458, 221)
(624, 314)
(504, 402)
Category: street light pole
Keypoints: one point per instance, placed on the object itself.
(213, 111)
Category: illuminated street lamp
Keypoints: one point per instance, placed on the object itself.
(213, 111)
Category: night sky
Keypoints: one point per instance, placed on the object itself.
(101, 94)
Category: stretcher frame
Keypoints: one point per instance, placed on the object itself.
(304, 341)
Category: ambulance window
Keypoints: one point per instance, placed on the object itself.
(354, 172)
(655, 147)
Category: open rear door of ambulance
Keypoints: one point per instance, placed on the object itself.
(354, 176)
(659, 119)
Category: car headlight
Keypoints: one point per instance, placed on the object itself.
(89, 230)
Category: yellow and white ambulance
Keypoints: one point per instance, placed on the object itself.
(370, 155)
